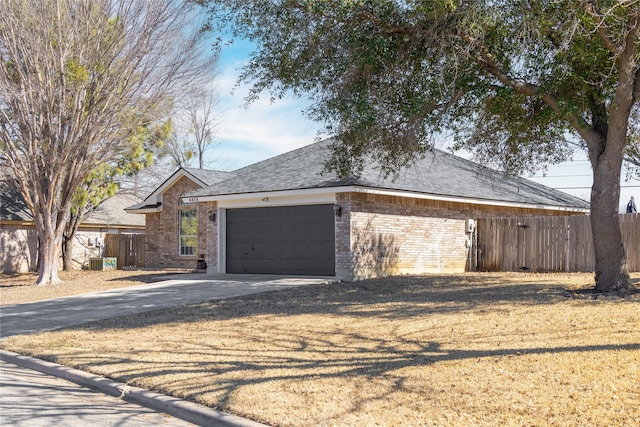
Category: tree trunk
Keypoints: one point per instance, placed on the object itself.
(68, 236)
(67, 251)
(49, 255)
(611, 269)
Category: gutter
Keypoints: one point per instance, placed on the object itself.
(378, 191)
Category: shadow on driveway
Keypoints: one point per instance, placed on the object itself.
(175, 290)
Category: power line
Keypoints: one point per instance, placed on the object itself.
(561, 176)
(586, 188)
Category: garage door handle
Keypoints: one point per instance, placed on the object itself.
(253, 248)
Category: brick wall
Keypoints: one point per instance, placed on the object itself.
(208, 236)
(380, 235)
(161, 243)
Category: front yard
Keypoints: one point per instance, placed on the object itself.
(438, 350)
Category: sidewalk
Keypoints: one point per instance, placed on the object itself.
(182, 409)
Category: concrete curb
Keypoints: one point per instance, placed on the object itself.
(185, 410)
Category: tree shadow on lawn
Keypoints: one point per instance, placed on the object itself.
(361, 363)
(397, 297)
(151, 277)
(392, 298)
(197, 369)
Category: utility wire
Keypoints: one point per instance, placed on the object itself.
(584, 188)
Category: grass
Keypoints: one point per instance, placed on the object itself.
(504, 349)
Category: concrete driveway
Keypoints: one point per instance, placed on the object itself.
(176, 290)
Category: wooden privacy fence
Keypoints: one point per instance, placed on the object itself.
(127, 248)
(547, 243)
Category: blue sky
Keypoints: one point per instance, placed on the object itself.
(265, 129)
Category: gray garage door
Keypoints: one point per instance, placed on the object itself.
(281, 240)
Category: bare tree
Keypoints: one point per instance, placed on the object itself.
(196, 123)
(78, 79)
(203, 120)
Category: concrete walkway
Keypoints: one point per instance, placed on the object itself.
(30, 398)
(43, 392)
(177, 290)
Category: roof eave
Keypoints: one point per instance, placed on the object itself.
(142, 210)
(181, 172)
(382, 191)
(145, 209)
(471, 200)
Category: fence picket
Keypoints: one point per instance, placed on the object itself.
(548, 243)
(127, 248)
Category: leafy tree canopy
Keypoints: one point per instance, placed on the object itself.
(517, 82)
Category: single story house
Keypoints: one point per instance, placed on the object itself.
(19, 244)
(286, 215)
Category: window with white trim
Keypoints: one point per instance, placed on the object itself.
(188, 224)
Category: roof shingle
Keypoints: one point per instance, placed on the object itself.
(437, 174)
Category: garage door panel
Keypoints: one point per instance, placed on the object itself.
(273, 229)
(323, 250)
(287, 250)
(274, 248)
(239, 248)
(281, 240)
(236, 265)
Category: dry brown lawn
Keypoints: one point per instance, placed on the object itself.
(440, 350)
(19, 288)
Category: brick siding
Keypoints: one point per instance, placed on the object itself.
(161, 243)
(380, 235)
(376, 235)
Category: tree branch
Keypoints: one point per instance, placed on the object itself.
(490, 65)
(601, 27)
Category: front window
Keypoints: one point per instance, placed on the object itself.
(188, 231)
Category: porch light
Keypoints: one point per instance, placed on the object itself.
(337, 209)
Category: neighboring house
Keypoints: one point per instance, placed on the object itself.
(18, 241)
(285, 216)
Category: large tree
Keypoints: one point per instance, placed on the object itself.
(519, 82)
(78, 78)
(106, 180)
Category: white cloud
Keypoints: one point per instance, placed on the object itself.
(263, 128)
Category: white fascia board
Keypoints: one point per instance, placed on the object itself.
(170, 181)
(144, 211)
(278, 200)
(320, 195)
(305, 196)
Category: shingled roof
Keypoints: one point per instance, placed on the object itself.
(437, 174)
(203, 177)
(207, 176)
